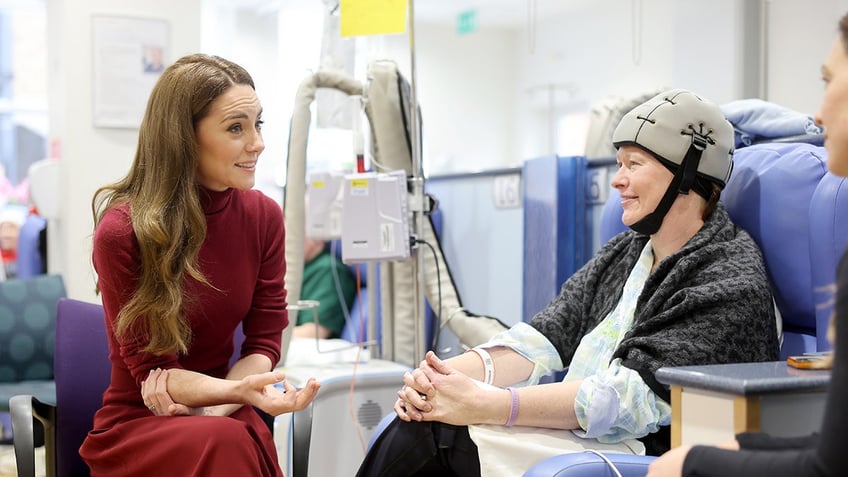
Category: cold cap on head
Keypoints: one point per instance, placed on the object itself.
(666, 125)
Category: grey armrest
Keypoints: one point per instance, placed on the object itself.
(23, 409)
(301, 438)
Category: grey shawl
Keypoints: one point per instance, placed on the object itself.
(708, 303)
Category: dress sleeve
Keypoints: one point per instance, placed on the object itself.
(262, 326)
(763, 441)
(703, 461)
(116, 261)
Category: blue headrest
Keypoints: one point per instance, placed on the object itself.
(769, 195)
(828, 209)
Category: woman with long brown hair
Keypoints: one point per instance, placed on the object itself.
(185, 252)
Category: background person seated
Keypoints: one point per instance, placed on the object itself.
(329, 282)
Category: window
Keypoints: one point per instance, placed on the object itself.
(23, 95)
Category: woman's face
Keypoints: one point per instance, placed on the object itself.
(833, 112)
(230, 140)
(641, 181)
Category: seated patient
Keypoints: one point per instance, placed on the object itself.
(329, 282)
(685, 286)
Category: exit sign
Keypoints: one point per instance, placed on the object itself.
(466, 22)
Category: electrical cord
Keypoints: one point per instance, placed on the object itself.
(434, 345)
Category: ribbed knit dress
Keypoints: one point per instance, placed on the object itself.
(243, 258)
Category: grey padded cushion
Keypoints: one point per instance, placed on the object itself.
(28, 327)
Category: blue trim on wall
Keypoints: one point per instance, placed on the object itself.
(474, 174)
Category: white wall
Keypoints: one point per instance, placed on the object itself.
(464, 85)
(489, 98)
(501, 111)
(589, 52)
(92, 157)
(466, 119)
(249, 37)
(799, 39)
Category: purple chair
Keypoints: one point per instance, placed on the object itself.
(82, 372)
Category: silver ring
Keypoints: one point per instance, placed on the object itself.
(152, 407)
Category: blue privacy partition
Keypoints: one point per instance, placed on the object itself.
(563, 199)
(555, 243)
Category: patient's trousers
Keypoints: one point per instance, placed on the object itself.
(421, 449)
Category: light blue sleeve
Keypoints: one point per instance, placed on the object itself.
(531, 344)
(617, 405)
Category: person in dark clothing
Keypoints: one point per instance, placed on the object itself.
(684, 286)
(819, 454)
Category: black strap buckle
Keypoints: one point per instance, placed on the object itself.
(699, 141)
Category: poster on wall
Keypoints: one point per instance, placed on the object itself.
(129, 55)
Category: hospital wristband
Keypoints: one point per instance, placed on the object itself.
(513, 407)
(488, 365)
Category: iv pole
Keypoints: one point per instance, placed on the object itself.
(417, 205)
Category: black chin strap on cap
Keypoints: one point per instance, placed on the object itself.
(680, 184)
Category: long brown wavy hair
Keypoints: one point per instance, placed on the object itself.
(161, 190)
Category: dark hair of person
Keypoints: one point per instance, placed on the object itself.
(712, 203)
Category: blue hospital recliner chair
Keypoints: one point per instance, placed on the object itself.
(784, 196)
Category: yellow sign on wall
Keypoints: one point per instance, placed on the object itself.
(372, 17)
